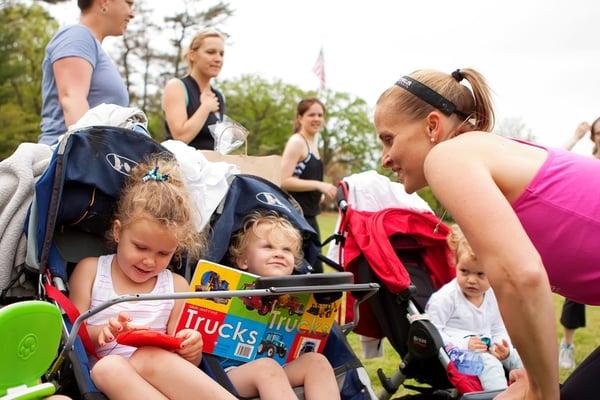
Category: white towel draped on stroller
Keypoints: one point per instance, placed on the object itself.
(370, 191)
(113, 115)
(206, 181)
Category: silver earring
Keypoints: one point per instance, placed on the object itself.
(432, 139)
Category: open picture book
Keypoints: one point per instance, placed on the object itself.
(245, 328)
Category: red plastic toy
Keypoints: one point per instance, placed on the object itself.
(148, 337)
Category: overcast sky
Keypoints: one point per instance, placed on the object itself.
(541, 58)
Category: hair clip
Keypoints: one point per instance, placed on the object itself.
(457, 75)
(155, 175)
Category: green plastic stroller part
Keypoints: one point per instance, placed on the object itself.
(30, 333)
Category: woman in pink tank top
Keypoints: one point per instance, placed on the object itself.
(529, 212)
(572, 316)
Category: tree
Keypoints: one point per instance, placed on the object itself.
(9, 3)
(186, 21)
(514, 127)
(267, 109)
(136, 55)
(348, 138)
(21, 54)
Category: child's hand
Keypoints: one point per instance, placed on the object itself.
(500, 350)
(116, 325)
(476, 344)
(191, 347)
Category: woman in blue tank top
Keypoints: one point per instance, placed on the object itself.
(77, 74)
(301, 165)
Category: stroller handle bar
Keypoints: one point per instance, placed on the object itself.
(370, 288)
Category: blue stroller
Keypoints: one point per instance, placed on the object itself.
(247, 193)
(69, 215)
(71, 210)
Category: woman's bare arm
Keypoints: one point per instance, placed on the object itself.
(461, 179)
(73, 77)
(174, 106)
(293, 153)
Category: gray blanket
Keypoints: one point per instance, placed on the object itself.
(18, 174)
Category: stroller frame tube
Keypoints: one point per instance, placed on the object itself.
(370, 288)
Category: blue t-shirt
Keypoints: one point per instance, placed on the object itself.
(106, 85)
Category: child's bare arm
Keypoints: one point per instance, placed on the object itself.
(81, 281)
(180, 285)
(80, 290)
(192, 345)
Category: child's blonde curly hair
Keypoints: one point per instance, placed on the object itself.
(256, 218)
(458, 243)
(155, 189)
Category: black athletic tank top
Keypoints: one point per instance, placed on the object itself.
(309, 168)
(203, 140)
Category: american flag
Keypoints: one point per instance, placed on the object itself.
(319, 68)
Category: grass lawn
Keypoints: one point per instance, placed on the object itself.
(586, 339)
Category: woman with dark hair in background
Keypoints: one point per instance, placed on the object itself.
(77, 72)
(191, 104)
(301, 165)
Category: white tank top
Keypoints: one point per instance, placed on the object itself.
(152, 313)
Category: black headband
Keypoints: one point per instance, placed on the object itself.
(430, 96)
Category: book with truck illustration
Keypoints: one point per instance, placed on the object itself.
(281, 327)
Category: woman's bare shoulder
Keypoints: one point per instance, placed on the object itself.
(295, 145)
(473, 147)
(480, 156)
(174, 84)
(296, 139)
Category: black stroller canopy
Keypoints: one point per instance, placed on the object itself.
(248, 193)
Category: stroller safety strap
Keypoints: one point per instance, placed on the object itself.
(72, 312)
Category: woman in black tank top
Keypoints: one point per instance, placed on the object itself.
(302, 168)
(191, 104)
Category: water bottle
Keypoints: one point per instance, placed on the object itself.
(467, 362)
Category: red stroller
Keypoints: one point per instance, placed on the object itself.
(403, 248)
